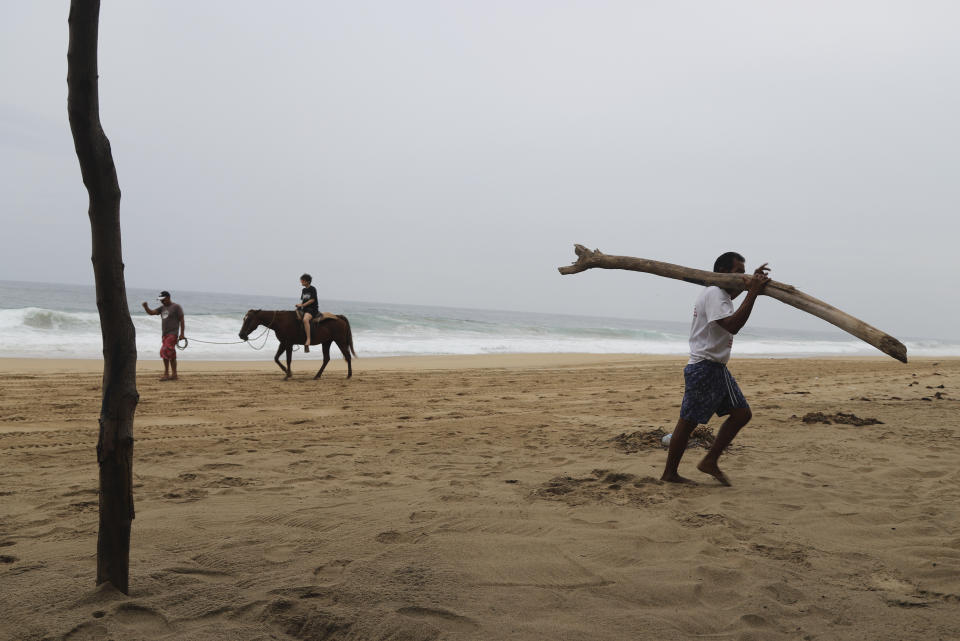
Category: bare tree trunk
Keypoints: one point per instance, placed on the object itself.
(587, 259)
(120, 397)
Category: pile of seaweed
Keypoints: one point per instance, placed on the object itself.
(842, 418)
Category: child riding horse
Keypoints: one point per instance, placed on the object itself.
(290, 331)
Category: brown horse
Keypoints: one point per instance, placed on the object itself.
(289, 330)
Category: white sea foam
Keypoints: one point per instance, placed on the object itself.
(213, 322)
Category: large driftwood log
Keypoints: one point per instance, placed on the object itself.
(587, 259)
(115, 445)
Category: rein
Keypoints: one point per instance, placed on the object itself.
(272, 318)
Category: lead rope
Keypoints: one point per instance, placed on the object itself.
(249, 342)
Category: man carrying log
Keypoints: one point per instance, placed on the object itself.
(709, 388)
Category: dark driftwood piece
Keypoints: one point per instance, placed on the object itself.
(587, 259)
(120, 397)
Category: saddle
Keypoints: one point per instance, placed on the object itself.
(316, 320)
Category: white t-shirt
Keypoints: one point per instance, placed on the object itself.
(709, 341)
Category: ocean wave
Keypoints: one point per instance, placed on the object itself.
(47, 319)
(39, 332)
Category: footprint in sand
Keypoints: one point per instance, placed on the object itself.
(279, 553)
(185, 496)
(298, 619)
(389, 537)
(754, 620)
(700, 520)
(783, 593)
(139, 616)
(898, 592)
(83, 506)
(441, 618)
(77, 490)
(332, 570)
(606, 486)
(786, 552)
(609, 525)
(217, 466)
(200, 573)
(228, 481)
(87, 631)
(392, 536)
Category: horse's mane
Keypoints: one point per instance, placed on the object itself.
(276, 312)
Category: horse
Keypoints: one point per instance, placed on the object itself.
(289, 330)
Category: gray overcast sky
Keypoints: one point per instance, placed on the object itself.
(451, 153)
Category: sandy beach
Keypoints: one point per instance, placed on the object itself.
(487, 497)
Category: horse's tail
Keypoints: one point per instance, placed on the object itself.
(349, 335)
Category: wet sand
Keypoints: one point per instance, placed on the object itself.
(488, 497)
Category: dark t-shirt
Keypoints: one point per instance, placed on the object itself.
(309, 292)
(171, 315)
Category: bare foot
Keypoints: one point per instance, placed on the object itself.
(306, 349)
(675, 478)
(164, 378)
(713, 470)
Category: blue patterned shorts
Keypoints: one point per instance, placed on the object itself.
(709, 388)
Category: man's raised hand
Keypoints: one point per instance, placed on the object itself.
(759, 279)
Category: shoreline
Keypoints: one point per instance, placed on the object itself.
(9, 365)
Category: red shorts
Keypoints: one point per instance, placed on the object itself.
(168, 351)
